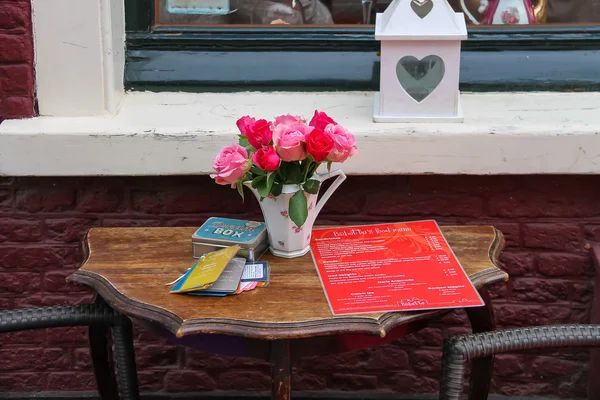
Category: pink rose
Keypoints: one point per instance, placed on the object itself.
(289, 141)
(288, 119)
(320, 120)
(244, 124)
(259, 133)
(344, 143)
(319, 144)
(266, 159)
(231, 165)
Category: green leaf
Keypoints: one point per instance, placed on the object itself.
(312, 186)
(256, 181)
(270, 181)
(243, 141)
(240, 188)
(261, 185)
(293, 173)
(328, 166)
(298, 208)
(276, 189)
(257, 171)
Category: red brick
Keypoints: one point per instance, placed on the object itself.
(45, 199)
(517, 264)
(592, 232)
(511, 232)
(156, 356)
(56, 282)
(20, 230)
(16, 79)
(499, 290)
(151, 381)
(101, 200)
(56, 359)
(189, 381)
(71, 381)
(405, 382)
(21, 382)
(16, 359)
(552, 236)
(386, 358)
(19, 359)
(5, 303)
(110, 223)
(15, 48)
(5, 197)
(562, 265)
(307, 381)
(352, 382)
(19, 282)
(456, 317)
(545, 368)
(70, 229)
(426, 360)
(387, 203)
(518, 389)
(71, 335)
(347, 199)
(14, 16)
(554, 204)
(452, 184)
(24, 337)
(425, 337)
(583, 292)
(580, 315)
(531, 315)
(17, 107)
(68, 299)
(200, 360)
(342, 361)
(539, 290)
(188, 200)
(244, 380)
(508, 365)
(83, 359)
(31, 258)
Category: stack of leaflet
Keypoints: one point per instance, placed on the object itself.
(221, 273)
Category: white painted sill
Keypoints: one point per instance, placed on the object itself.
(180, 133)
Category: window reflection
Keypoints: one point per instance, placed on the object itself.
(352, 12)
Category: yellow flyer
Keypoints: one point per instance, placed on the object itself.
(206, 271)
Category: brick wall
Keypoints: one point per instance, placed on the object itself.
(16, 60)
(547, 221)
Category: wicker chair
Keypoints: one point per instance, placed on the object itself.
(122, 383)
(458, 350)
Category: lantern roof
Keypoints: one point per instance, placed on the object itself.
(420, 20)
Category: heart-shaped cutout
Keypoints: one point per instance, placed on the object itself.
(420, 77)
(421, 8)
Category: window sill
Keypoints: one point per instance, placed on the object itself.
(180, 133)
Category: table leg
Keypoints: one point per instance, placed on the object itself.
(105, 378)
(280, 370)
(482, 320)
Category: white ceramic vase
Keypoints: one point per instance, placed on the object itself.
(285, 238)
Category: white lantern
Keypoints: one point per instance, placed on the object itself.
(420, 62)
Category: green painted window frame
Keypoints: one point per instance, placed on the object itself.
(230, 58)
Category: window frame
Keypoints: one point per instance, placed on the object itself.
(199, 59)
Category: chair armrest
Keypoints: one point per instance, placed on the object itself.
(459, 349)
(59, 316)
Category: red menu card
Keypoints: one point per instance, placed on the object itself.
(390, 267)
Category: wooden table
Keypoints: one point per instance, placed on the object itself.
(289, 318)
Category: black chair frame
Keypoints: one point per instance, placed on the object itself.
(113, 381)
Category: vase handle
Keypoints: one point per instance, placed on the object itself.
(340, 177)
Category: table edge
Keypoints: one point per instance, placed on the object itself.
(355, 324)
